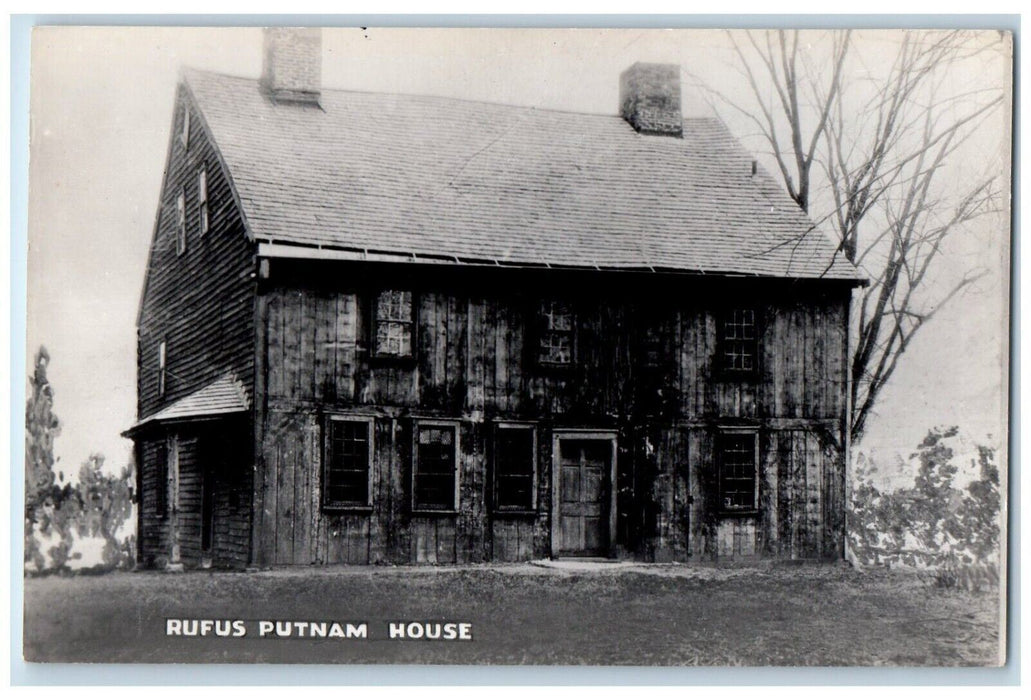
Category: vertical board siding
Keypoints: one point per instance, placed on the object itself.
(474, 362)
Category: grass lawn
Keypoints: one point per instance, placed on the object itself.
(813, 615)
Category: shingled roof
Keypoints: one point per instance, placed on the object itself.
(439, 178)
(223, 396)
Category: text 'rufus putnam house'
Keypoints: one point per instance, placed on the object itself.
(396, 329)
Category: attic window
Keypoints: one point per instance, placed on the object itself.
(202, 193)
(180, 230)
(555, 345)
(393, 323)
(184, 135)
(162, 361)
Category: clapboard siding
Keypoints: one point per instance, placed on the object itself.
(200, 303)
(474, 362)
(153, 532)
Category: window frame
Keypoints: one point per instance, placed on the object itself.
(180, 223)
(370, 426)
(541, 331)
(722, 319)
(534, 499)
(724, 433)
(374, 351)
(417, 425)
(162, 368)
(202, 199)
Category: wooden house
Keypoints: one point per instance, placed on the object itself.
(381, 328)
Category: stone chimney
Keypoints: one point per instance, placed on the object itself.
(292, 65)
(649, 98)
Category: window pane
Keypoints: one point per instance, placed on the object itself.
(514, 468)
(394, 323)
(434, 479)
(556, 333)
(737, 471)
(346, 480)
(738, 338)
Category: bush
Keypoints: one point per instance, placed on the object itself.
(932, 524)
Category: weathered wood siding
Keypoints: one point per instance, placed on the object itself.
(223, 448)
(474, 361)
(201, 304)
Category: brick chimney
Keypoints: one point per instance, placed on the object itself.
(649, 98)
(292, 66)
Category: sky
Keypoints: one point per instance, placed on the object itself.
(101, 109)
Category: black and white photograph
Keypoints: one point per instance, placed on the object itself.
(525, 346)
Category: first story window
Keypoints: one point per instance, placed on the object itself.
(515, 467)
(435, 467)
(393, 323)
(180, 223)
(555, 344)
(347, 466)
(162, 368)
(738, 460)
(739, 341)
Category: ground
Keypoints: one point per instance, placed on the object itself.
(811, 615)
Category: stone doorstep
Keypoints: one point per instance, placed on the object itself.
(585, 564)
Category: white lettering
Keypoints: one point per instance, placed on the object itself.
(239, 629)
(357, 631)
(397, 630)
(265, 627)
(173, 627)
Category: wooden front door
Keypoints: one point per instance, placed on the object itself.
(585, 495)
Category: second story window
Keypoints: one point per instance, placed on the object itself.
(555, 345)
(180, 224)
(739, 341)
(393, 324)
(161, 368)
(202, 193)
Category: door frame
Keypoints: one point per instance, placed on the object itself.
(611, 436)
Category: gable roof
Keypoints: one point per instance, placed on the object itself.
(223, 396)
(438, 178)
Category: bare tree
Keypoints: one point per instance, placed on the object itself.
(877, 146)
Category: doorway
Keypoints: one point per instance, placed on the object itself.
(584, 500)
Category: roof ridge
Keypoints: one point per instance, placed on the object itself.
(448, 98)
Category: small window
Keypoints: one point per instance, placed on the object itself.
(161, 478)
(738, 468)
(394, 323)
(180, 230)
(346, 481)
(202, 193)
(739, 341)
(556, 334)
(161, 368)
(184, 135)
(515, 468)
(435, 470)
